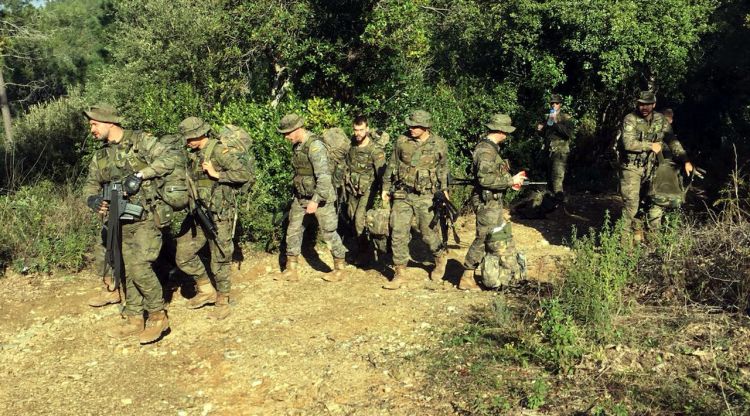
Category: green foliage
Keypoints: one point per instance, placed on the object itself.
(563, 344)
(537, 395)
(44, 227)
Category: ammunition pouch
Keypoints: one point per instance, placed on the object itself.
(163, 214)
(486, 195)
(304, 186)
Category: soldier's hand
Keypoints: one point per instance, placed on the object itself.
(539, 127)
(385, 197)
(208, 167)
(104, 208)
(518, 179)
(312, 206)
(656, 147)
(688, 167)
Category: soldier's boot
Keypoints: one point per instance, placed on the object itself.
(439, 271)
(337, 274)
(398, 279)
(291, 272)
(204, 293)
(105, 296)
(157, 323)
(128, 326)
(221, 310)
(467, 281)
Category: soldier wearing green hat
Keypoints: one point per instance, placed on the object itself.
(417, 169)
(215, 175)
(644, 134)
(492, 178)
(313, 195)
(139, 158)
(558, 132)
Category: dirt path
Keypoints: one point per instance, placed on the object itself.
(302, 348)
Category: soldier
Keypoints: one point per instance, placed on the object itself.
(135, 157)
(313, 194)
(492, 176)
(365, 163)
(557, 131)
(417, 169)
(215, 174)
(644, 133)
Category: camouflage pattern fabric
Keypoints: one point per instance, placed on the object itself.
(557, 140)
(141, 243)
(192, 239)
(327, 222)
(365, 166)
(402, 213)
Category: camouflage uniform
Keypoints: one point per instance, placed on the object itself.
(312, 182)
(364, 168)
(141, 239)
(557, 139)
(415, 171)
(639, 161)
(219, 196)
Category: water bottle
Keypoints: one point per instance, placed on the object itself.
(551, 117)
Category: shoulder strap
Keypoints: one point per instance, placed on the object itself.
(210, 149)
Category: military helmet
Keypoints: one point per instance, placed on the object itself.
(419, 118)
(104, 113)
(556, 98)
(193, 128)
(290, 123)
(500, 122)
(646, 97)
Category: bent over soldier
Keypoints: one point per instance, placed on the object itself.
(365, 163)
(313, 194)
(492, 177)
(418, 168)
(215, 174)
(138, 158)
(644, 134)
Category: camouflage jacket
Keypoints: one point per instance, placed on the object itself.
(137, 151)
(639, 133)
(490, 170)
(312, 174)
(420, 167)
(561, 130)
(365, 166)
(234, 169)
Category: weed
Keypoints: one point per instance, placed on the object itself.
(537, 395)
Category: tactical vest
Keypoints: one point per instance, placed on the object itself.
(127, 157)
(304, 173)
(644, 131)
(497, 168)
(418, 166)
(219, 198)
(361, 173)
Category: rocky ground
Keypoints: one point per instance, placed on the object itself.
(302, 348)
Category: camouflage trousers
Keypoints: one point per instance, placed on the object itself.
(192, 239)
(141, 243)
(356, 209)
(634, 180)
(402, 213)
(327, 222)
(489, 215)
(558, 160)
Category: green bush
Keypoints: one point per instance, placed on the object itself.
(44, 227)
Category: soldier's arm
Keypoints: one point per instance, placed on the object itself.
(391, 166)
(162, 159)
(489, 175)
(442, 168)
(631, 140)
(565, 126)
(234, 168)
(323, 185)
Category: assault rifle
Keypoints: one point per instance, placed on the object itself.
(446, 214)
(202, 215)
(466, 181)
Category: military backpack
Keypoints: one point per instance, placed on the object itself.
(667, 189)
(502, 263)
(237, 141)
(173, 188)
(337, 143)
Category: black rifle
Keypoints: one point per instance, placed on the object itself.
(446, 214)
(465, 182)
(119, 209)
(202, 215)
(527, 182)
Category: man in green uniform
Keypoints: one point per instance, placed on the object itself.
(133, 156)
(417, 169)
(313, 194)
(557, 131)
(492, 176)
(365, 163)
(215, 174)
(644, 134)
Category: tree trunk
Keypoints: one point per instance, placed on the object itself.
(6, 113)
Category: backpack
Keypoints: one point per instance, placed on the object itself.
(501, 263)
(667, 189)
(337, 143)
(173, 188)
(238, 141)
(536, 205)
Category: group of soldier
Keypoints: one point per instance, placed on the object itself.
(215, 169)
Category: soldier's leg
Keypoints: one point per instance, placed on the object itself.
(360, 214)
(190, 240)
(630, 188)
(221, 255)
(141, 245)
(295, 229)
(328, 222)
(489, 215)
(352, 202)
(654, 216)
(557, 174)
(107, 295)
(401, 216)
(424, 213)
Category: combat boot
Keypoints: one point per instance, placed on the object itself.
(337, 274)
(204, 293)
(291, 272)
(157, 323)
(467, 281)
(398, 279)
(105, 296)
(221, 310)
(129, 325)
(439, 271)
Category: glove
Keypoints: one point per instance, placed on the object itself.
(94, 202)
(132, 184)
